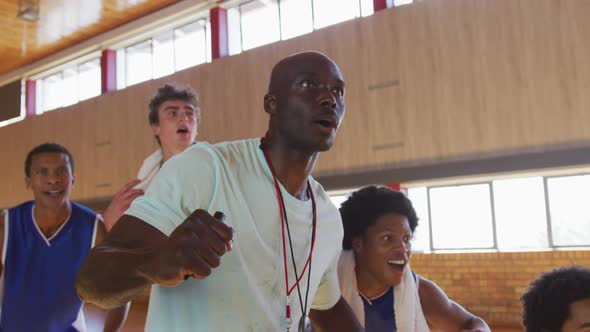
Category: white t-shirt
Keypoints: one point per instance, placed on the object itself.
(247, 291)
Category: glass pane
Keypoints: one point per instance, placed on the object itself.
(52, 90)
(190, 45)
(328, 12)
(121, 69)
(260, 23)
(367, 7)
(39, 93)
(519, 206)
(338, 199)
(163, 61)
(208, 40)
(401, 2)
(234, 31)
(23, 87)
(568, 203)
(461, 217)
(139, 62)
(419, 198)
(296, 18)
(69, 92)
(89, 79)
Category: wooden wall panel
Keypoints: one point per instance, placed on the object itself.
(438, 80)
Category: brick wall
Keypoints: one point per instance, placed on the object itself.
(490, 284)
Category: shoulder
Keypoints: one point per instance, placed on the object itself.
(203, 156)
(430, 294)
(83, 212)
(324, 202)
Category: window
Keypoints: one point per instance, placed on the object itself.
(296, 18)
(50, 91)
(419, 198)
(165, 53)
(568, 206)
(401, 2)
(139, 62)
(519, 206)
(461, 217)
(367, 7)
(89, 79)
(69, 86)
(190, 45)
(329, 12)
(234, 31)
(259, 22)
(163, 56)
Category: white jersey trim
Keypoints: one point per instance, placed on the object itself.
(54, 234)
(97, 220)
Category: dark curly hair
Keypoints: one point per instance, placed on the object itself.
(546, 304)
(366, 205)
(43, 148)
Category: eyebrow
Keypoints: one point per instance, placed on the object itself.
(178, 107)
(587, 324)
(308, 74)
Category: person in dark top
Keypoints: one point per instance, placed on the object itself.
(375, 278)
(559, 301)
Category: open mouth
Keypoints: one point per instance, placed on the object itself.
(328, 123)
(325, 123)
(397, 264)
(182, 131)
(54, 192)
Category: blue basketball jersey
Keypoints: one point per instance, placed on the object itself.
(379, 313)
(39, 273)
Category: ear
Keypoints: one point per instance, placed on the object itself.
(28, 182)
(270, 104)
(73, 179)
(155, 129)
(357, 244)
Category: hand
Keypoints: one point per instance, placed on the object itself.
(193, 249)
(120, 203)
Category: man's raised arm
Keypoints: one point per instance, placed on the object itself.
(135, 255)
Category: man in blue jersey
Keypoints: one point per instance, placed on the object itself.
(44, 242)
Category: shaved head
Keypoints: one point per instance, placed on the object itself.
(305, 101)
(285, 71)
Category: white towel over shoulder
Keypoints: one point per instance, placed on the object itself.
(408, 310)
(149, 168)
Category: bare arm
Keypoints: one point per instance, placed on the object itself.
(338, 318)
(120, 203)
(444, 314)
(135, 255)
(115, 318)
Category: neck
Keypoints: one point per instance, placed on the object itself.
(169, 152)
(368, 285)
(49, 219)
(292, 167)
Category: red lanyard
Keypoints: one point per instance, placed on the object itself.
(284, 222)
